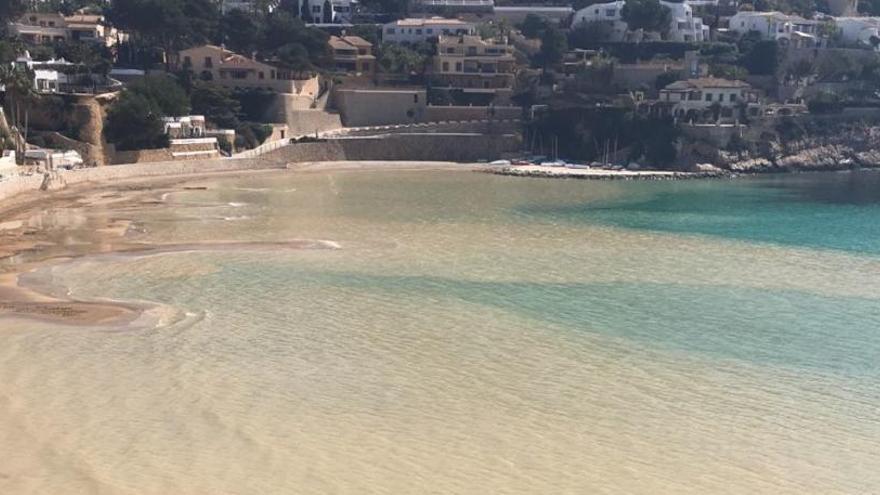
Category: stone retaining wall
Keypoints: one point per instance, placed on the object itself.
(445, 113)
(408, 147)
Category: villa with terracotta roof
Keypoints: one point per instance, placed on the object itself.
(44, 28)
(235, 71)
(352, 54)
(695, 99)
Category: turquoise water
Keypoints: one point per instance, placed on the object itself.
(833, 211)
(471, 334)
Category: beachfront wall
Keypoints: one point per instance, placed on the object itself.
(461, 113)
(402, 147)
(397, 147)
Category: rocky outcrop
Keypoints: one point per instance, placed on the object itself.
(839, 148)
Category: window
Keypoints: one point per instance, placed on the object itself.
(418, 31)
(366, 67)
(721, 98)
(597, 11)
(272, 73)
(458, 67)
(187, 61)
(208, 62)
(389, 31)
(261, 75)
(450, 50)
(316, 9)
(429, 31)
(708, 96)
(239, 74)
(732, 97)
(415, 98)
(610, 12)
(445, 66)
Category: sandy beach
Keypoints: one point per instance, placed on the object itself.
(27, 241)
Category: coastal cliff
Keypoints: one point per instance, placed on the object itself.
(836, 147)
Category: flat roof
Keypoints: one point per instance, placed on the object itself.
(413, 21)
(533, 8)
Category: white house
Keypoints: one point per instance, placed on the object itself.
(683, 25)
(328, 11)
(861, 30)
(694, 99)
(419, 30)
(48, 74)
(604, 12)
(188, 126)
(51, 159)
(778, 26)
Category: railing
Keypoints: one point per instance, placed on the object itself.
(262, 149)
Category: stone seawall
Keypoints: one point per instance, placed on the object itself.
(410, 147)
(399, 147)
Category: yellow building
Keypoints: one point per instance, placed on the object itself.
(229, 69)
(473, 64)
(352, 54)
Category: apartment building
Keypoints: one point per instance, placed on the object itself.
(683, 25)
(42, 28)
(423, 30)
(472, 64)
(352, 54)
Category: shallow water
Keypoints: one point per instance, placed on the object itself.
(472, 334)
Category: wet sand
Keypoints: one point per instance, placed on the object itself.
(26, 245)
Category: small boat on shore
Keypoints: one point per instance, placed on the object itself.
(554, 163)
(500, 163)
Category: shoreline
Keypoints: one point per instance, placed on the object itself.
(539, 171)
(25, 248)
